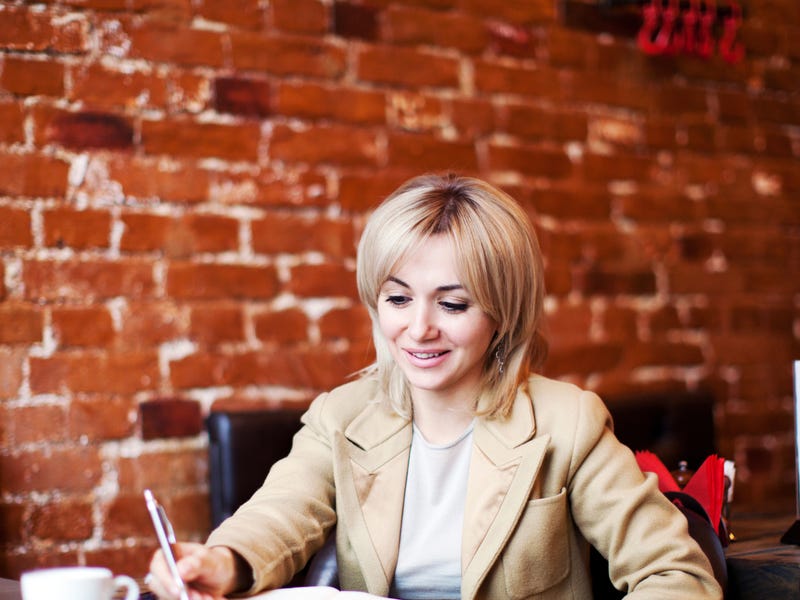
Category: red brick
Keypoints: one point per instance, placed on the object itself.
(300, 16)
(599, 167)
(13, 522)
(29, 30)
(163, 471)
(101, 417)
(95, 372)
(337, 103)
(98, 86)
(281, 327)
(599, 88)
(15, 228)
(530, 161)
(570, 203)
(208, 281)
(74, 469)
(571, 48)
(663, 320)
(473, 118)
(427, 153)
(522, 13)
(89, 326)
(244, 14)
(762, 317)
(360, 193)
(696, 279)
(170, 418)
(419, 26)
(175, 44)
(407, 67)
(569, 322)
(582, 358)
(502, 78)
(188, 138)
(608, 280)
(179, 238)
(355, 21)
(147, 179)
(335, 144)
(11, 123)
(190, 511)
(91, 280)
(323, 280)
(20, 324)
(659, 205)
(319, 368)
(66, 521)
(216, 323)
(87, 130)
(35, 424)
(150, 324)
(12, 362)
(290, 234)
(32, 175)
(287, 55)
(346, 323)
(241, 96)
(80, 230)
(531, 121)
(416, 112)
(268, 189)
(126, 516)
(130, 559)
(32, 77)
(14, 564)
(657, 353)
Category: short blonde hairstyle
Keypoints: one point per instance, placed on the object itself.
(500, 265)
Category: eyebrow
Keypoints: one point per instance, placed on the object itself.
(441, 288)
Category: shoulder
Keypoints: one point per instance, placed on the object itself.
(557, 404)
(342, 404)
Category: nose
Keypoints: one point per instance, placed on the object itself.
(422, 325)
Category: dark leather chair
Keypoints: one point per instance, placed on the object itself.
(244, 444)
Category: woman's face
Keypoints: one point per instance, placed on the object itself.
(436, 333)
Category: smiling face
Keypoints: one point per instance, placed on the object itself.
(435, 332)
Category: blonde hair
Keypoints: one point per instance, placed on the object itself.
(500, 266)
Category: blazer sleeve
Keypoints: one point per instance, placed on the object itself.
(289, 517)
(622, 513)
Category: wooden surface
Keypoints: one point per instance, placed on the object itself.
(760, 567)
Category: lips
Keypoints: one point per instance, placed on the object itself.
(425, 355)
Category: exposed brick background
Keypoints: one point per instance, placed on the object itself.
(182, 185)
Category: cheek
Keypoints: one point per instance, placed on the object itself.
(389, 324)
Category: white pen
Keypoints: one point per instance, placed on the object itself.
(166, 538)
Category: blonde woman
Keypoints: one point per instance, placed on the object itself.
(449, 469)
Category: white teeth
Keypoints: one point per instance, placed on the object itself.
(426, 354)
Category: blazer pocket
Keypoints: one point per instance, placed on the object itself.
(537, 556)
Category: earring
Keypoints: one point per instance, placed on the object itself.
(499, 354)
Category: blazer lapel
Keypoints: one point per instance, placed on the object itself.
(505, 461)
(373, 462)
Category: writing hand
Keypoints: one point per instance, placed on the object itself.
(209, 573)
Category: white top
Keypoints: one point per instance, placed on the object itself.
(429, 561)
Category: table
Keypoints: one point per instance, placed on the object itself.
(759, 565)
(9, 590)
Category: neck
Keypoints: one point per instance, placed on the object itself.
(441, 422)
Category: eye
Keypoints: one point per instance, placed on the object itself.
(454, 307)
(397, 299)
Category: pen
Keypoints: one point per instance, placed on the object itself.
(166, 538)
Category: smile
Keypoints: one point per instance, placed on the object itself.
(425, 355)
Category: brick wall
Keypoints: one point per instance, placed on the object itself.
(182, 185)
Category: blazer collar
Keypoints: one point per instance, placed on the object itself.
(374, 453)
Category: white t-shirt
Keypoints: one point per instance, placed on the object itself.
(429, 561)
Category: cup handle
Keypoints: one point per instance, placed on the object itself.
(123, 581)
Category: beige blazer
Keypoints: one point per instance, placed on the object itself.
(543, 485)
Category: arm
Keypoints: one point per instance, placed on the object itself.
(622, 513)
(288, 518)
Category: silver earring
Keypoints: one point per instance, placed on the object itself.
(499, 354)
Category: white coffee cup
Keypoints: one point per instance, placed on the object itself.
(75, 583)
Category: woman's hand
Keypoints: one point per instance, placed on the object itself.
(208, 572)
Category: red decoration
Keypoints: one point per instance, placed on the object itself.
(669, 29)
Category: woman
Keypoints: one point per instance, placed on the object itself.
(449, 469)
